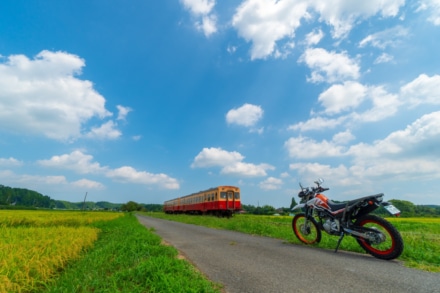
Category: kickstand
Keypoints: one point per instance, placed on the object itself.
(339, 241)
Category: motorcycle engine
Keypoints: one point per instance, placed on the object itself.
(331, 226)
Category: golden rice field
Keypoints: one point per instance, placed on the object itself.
(34, 245)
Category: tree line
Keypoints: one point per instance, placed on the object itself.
(24, 198)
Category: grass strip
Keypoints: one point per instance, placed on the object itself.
(127, 257)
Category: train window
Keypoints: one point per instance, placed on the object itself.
(237, 195)
(230, 194)
(223, 195)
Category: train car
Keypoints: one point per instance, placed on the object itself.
(219, 201)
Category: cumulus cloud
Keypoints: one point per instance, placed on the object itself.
(271, 183)
(201, 10)
(317, 123)
(246, 115)
(128, 174)
(43, 96)
(88, 184)
(76, 161)
(342, 97)
(82, 163)
(30, 180)
(314, 37)
(342, 15)
(328, 66)
(422, 90)
(123, 112)
(406, 154)
(37, 181)
(354, 102)
(108, 130)
(210, 157)
(10, 162)
(307, 148)
(230, 163)
(263, 23)
(268, 23)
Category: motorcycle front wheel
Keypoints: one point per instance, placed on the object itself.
(306, 229)
(388, 243)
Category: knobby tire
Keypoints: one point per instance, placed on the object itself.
(393, 246)
(309, 234)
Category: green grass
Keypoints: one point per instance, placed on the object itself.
(127, 257)
(421, 236)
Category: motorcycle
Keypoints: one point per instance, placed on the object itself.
(374, 234)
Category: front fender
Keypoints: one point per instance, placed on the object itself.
(298, 206)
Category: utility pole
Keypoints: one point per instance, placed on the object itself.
(84, 203)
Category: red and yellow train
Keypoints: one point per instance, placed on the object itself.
(219, 201)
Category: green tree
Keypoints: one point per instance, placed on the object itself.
(131, 206)
(293, 203)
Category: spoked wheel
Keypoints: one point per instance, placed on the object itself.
(306, 230)
(384, 240)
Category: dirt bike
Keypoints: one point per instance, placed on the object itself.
(374, 234)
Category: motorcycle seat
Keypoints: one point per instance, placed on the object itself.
(334, 206)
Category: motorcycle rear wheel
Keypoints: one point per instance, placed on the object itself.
(392, 245)
(308, 231)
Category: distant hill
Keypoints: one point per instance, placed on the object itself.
(24, 198)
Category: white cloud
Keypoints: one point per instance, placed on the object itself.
(343, 137)
(383, 105)
(418, 139)
(10, 162)
(210, 157)
(433, 8)
(123, 112)
(271, 183)
(314, 37)
(76, 161)
(247, 169)
(266, 22)
(202, 11)
(343, 14)
(128, 174)
(44, 97)
(246, 115)
(81, 163)
(36, 181)
(24, 180)
(387, 38)
(383, 58)
(422, 90)
(317, 123)
(309, 172)
(329, 66)
(202, 7)
(342, 97)
(369, 103)
(230, 163)
(406, 155)
(88, 184)
(307, 148)
(107, 130)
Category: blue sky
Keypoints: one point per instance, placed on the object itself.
(150, 100)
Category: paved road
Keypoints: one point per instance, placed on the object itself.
(246, 263)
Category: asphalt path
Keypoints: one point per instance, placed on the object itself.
(246, 263)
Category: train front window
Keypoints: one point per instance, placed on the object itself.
(237, 195)
(230, 195)
(223, 195)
